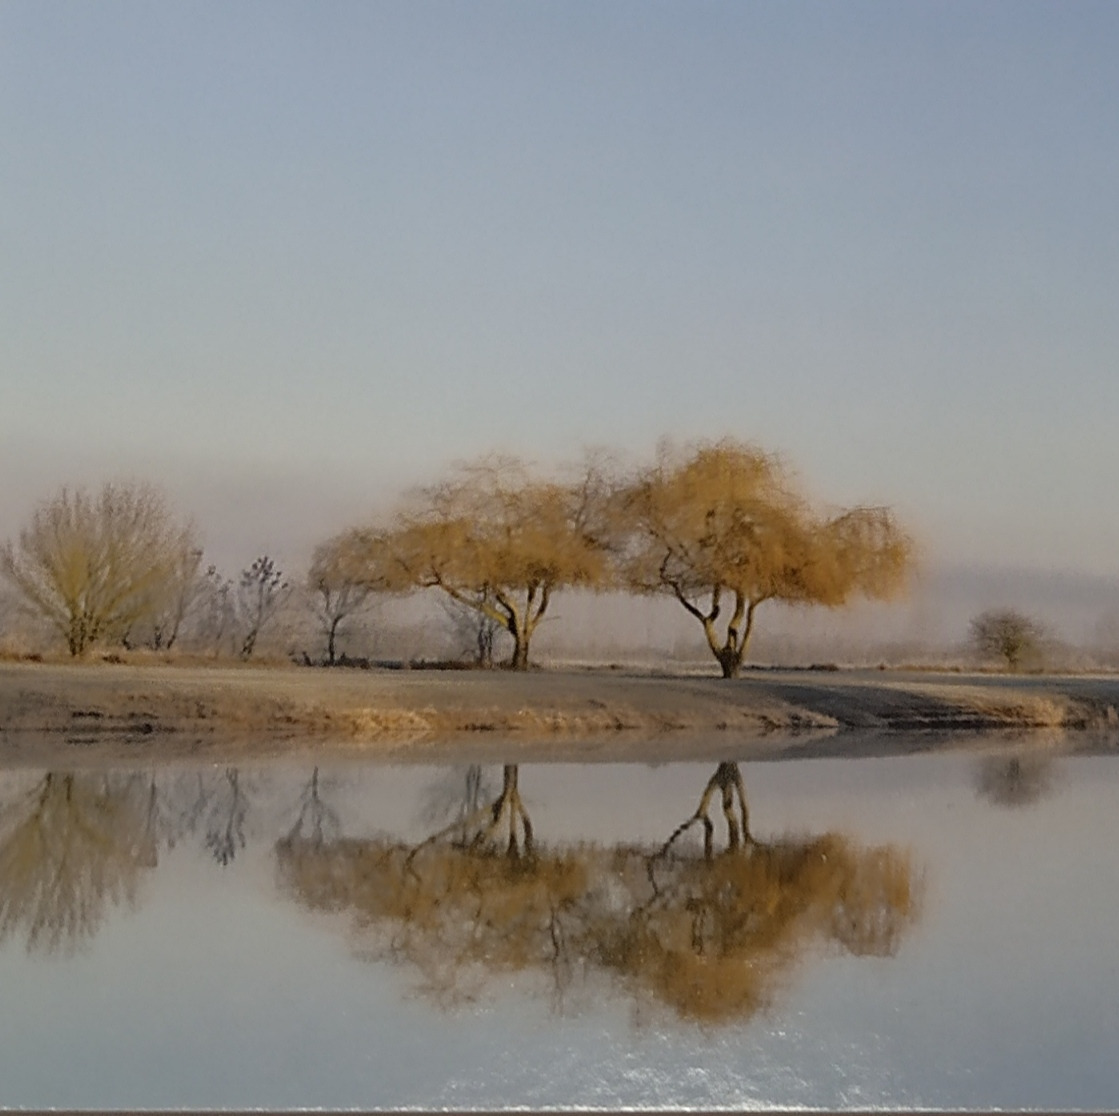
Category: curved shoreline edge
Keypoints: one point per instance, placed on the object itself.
(100, 712)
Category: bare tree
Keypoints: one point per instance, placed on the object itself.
(723, 523)
(260, 594)
(338, 589)
(182, 591)
(213, 614)
(499, 540)
(95, 566)
(1008, 634)
(473, 629)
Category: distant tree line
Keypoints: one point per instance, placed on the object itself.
(720, 527)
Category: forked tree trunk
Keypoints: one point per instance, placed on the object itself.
(730, 651)
(727, 780)
(519, 621)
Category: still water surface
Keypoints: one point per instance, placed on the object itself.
(931, 931)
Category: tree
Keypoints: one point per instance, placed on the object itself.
(1007, 634)
(261, 592)
(724, 523)
(177, 596)
(213, 611)
(337, 592)
(95, 566)
(499, 540)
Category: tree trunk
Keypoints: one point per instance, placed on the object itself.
(485, 642)
(519, 661)
(730, 662)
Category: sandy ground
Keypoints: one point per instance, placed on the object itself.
(95, 713)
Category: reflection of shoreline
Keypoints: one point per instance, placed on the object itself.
(705, 933)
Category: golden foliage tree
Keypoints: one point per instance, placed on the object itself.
(500, 540)
(95, 566)
(722, 529)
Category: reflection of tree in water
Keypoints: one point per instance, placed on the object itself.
(315, 820)
(706, 933)
(215, 803)
(457, 795)
(719, 929)
(70, 848)
(445, 900)
(1018, 780)
(225, 817)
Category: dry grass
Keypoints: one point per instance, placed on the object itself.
(188, 710)
(1004, 708)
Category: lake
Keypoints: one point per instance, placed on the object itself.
(932, 930)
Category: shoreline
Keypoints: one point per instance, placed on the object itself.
(101, 713)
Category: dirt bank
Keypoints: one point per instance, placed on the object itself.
(112, 711)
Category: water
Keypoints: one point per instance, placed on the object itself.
(929, 931)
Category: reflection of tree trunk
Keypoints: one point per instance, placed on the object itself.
(510, 807)
(727, 780)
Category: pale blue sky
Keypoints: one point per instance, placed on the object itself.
(286, 259)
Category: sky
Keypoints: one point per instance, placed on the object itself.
(286, 260)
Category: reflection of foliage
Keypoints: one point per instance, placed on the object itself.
(704, 933)
(456, 915)
(457, 908)
(1015, 780)
(71, 847)
(718, 932)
